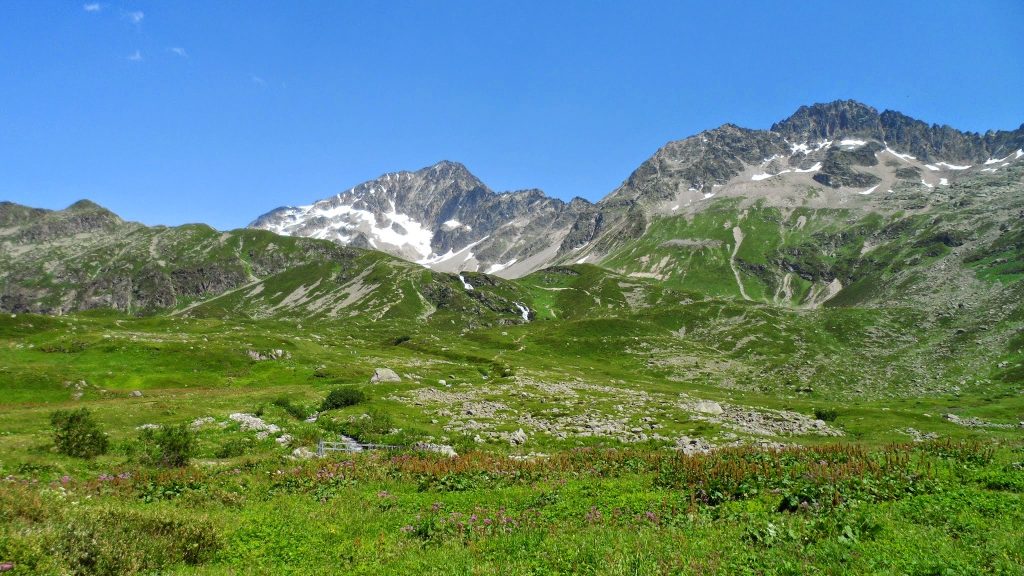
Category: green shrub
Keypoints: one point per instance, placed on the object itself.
(76, 433)
(826, 414)
(294, 410)
(371, 427)
(234, 447)
(168, 447)
(342, 397)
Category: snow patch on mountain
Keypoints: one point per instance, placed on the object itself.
(432, 258)
(455, 224)
(904, 157)
(815, 168)
(495, 268)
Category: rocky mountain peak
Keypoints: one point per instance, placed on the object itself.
(84, 205)
(828, 120)
(441, 216)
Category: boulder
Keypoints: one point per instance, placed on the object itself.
(691, 446)
(708, 407)
(384, 375)
(443, 449)
(518, 438)
(200, 422)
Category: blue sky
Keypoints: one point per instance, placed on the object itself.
(174, 112)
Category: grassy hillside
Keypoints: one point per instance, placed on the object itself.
(641, 416)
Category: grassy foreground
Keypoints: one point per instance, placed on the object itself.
(939, 507)
(586, 494)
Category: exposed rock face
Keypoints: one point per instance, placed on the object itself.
(441, 216)
(848, 118)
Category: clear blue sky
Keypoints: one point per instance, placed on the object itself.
(173, 112)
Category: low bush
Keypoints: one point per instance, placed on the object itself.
(826, 414)
(371, 427)
(76, 433)
(234, 447)
(169, 446)
(342, 397)
(294, 410)
(129, 542)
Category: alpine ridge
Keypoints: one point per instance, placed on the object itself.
(842, 154)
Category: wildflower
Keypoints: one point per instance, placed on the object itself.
(383, 494)
(436, 506)
(65, 479)
(124, 475)
(104, 477)
(407, 528)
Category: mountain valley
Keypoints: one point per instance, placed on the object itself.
(790, 339)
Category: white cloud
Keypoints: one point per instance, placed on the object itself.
(178, 50)
(258, 81)
(135, 17)
(92, 7)
(135, 56)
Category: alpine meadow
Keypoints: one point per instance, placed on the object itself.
(779, 351)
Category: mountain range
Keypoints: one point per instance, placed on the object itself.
(837, 205)
(853, 156)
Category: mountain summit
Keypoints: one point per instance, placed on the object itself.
(441, 216)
